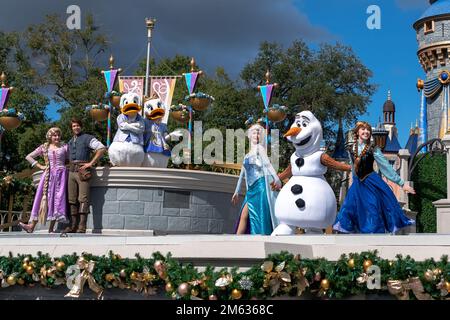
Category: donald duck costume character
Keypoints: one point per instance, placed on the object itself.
(127, 147)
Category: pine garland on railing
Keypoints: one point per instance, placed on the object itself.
(280, 274)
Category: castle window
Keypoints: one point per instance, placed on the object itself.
(429, 27)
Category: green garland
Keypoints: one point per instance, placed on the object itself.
(280, 274)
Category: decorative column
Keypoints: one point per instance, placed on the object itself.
(443, 205)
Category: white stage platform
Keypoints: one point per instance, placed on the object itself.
(226, 250)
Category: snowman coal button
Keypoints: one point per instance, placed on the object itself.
(297, 189)
(300, 162)
(300, 203)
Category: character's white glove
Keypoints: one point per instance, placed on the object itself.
(176, 134)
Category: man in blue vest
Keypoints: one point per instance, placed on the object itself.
(80, 147)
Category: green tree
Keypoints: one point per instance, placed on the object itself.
(71, 62)
(25, 98)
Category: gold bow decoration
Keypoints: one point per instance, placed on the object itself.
(224, 281)
(85, 269)
(276, 278)
(142, 281)
(301, 281)
(401, 289)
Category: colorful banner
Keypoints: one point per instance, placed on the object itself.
(191, 80)
(133, 84)
(266, 92)
(423, 120)
(4, 95)
(110, 78)
(163, 88)
(444, 114)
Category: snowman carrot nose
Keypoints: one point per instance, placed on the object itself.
(292, 132)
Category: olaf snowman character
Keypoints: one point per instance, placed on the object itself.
(307, 200)
(156, 136)
(127, 147)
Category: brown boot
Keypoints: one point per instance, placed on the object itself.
(73, 227)
(82, 225)
(74, 217)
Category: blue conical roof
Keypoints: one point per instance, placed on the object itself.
(437, 8)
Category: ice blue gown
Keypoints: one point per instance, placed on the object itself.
(370, 205)
(259, 198)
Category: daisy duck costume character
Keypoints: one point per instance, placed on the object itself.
(127, 147)
(156, 135)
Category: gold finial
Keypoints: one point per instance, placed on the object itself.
(192, 64)
(150, 22)
(111, 62)
(267, 77)
(417, 124)
(3, 79)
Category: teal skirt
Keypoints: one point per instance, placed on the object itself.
(259, 219)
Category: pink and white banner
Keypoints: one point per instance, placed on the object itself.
(133, 84)
(161, 86)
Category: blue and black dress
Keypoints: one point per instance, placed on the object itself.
(370, 205)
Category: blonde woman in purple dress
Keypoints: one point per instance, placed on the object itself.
(50, 202)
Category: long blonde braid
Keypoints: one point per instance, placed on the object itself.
(43, 208)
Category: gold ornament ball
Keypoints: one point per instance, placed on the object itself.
(169, 287)
(29, 270)
(123, 273)
(325, 284)
(194, 292)
(212, 297)
(11, 280)
(20, 281)
(236, 294)
(25, 265)
(183, 289)
(109, 277)
(367, 263)
(429, 276)
(437, 271)
(351, 263)
(50, 273)
(26, 260)
(133, 275)
(60, 265)
(391, 263)
(162, 275)
(447, 286)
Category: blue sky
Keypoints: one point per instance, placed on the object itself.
(389, 52)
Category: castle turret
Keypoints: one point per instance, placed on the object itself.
(433, 37)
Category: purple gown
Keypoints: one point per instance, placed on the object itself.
(57, 185)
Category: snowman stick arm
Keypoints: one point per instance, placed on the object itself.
(329, 162)
(286, 174)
